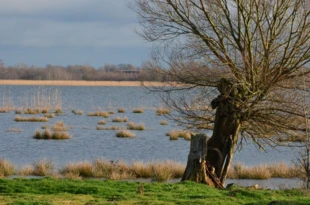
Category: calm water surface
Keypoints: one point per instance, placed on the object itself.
(87, 143)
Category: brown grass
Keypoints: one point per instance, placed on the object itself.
(125, 134)
(138, 110)
(48, 135)
(162, 111)
(78, 112)
(6, 168)
(30, 119)
(59, 126)
(43, 168)
(32, 111)
(15, 130)
(163, 122)
(133, 126)
(26, 170)
(109, 128)
(120, 119)
(99, 114)
(121, 110)
(80, 169)
(102, 122)
(279, 170)
(175, 134)
(49, 115)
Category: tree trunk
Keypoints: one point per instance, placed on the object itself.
(209, 160)
(197, 168)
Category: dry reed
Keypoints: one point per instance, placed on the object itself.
(163, 122)
(162, 111)
(102, 122)
(133, 126)
(121, 110)
(15, 130)
(6, 168)
(43, 167)
(125, 134)
(30, 119)
(48, 135)
(99, 114)
(138, 110)
(175, 134)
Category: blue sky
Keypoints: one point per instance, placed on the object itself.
(70, 32)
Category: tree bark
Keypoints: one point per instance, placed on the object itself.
(198, 168)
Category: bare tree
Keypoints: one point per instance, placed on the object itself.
(239, 66)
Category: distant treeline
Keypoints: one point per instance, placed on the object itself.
(108, 72)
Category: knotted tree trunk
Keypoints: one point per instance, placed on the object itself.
(209, 160)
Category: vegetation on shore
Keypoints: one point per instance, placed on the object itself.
(92, 192)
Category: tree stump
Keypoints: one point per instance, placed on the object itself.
(197, 168)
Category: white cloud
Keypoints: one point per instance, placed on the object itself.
(46, 23)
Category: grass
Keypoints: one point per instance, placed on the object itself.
(50, 191)
(121, 110)
(49, 115)
(32, 111)
(176, 134)
(163, 122)
(47, 134)
(15, 130)
(102, 122)
(59, 126)
(109, 128)
(43, 167)
(78, 112)
(120, 119)
(30, 119)
(133, 126)
(6, 168)
(162, 111)
(279, 170)
(138, 110)
(99, 114)
(125, 134)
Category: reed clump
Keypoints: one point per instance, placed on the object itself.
(49, 115)
(175, 134)
(76, 170)
(138, 110)
(120, 119)
(6, 168)
(99, 114)
(125, 134)
(43, 167)
(19, 118)
(59, 126)
(77, 112)
(163, 122)
(133, 126)
(15, 130)
(279, 170)
(109, 128)
(4, 110)
(162, 111)
(102, 122)
(47, 134)
(121, 110)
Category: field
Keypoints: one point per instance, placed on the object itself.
(50, 191)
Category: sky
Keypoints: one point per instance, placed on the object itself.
(70, 32)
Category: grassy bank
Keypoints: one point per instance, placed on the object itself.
(92, 192)
(77, 83)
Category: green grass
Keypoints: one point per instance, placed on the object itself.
(59, 191)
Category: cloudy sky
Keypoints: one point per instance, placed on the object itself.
(63, 32)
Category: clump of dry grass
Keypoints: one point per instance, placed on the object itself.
(48, 135)
(102, 122)
(111, 112)
(163, 122)
(162, 111)
(30, 119)
(109, 128)
(138, 110)
(121, 110)
(163, 171)
(125, 134)
(79, 112)
(6, 168)
(49, 115)
(133, 126)
(99, 114)
(4, 110)
(43, 168)
(59, 126)
(279, 170)
(15, 130)
(81, 169)
(119, 119)
(175, 134)
(32, 111)
(18, 112)
(58, 111)
(25, 171)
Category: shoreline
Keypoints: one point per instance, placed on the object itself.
(80, 83)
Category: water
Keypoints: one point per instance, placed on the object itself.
(87, 143)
